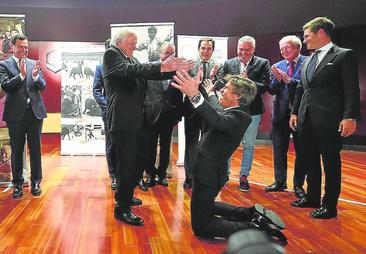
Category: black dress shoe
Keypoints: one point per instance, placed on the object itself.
(299, 192)
(303, 203)
(269, 229)
(151, 181)
(323, 213)
(128, 217)
(163, 181)
(35, 188)
(187, 183)
(143, 186)
(267, 216)
(18, 191)
(276, 186)
(136, 202)
(114, 183)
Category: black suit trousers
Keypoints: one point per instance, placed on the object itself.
(192, 128)
(109, 150)
(162, 130)
(214, 219)
(125, 149)
(326, 142)
(31, 128)
(280, 138)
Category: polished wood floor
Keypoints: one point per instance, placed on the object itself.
(74, 214)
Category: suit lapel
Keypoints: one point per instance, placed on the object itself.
(327, 58)
(13, 66)
(251, 64)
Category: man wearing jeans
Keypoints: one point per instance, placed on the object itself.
(258, 70)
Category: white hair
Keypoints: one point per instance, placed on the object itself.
(247, 39)
(293, 39)
(120, 35)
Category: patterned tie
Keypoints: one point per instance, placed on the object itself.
(312, 65)
(204, 65)
(290, 69)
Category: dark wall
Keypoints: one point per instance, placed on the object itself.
(267, 20)
(88, 20)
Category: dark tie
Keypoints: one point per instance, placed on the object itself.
(312, 65)
(204, 65)
(290, 69)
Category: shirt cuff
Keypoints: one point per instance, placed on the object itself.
(199, 103)
(36, 78)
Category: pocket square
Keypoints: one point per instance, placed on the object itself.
(329, 63)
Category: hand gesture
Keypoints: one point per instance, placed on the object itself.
(186, 84)
(22, 67)
(176, 64)
(208, 85)
(36, 69)
(214, 71)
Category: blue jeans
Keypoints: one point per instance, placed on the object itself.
(248, 145)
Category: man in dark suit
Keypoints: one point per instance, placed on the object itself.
(326, 107)
(163, 111)
(222, 133)
(101, 99)
(124, 79)
(22, 80)
(258, 70)
(192, 121)
(285, 77)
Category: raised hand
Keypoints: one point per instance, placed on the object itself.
(176, 64)
(185, 83)
(208, 85)
(22, 67)
(36, 69)
(214, 71)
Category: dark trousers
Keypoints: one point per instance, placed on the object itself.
(326, 142)
(31, 128)
(125, 149)
(192, 127)
(161, 131)
(109, 151)
(215, 219)
(280, 139)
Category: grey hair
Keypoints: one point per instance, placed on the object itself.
(244, 87)
(248, 39)
(120, 35)
(293, 39)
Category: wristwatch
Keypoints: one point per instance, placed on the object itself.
(195, 98)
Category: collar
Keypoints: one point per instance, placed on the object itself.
(326, 47)
(247, 62)
(16, 59)
(295, 60)
(231, 107)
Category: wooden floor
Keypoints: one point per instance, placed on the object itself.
(74, 214)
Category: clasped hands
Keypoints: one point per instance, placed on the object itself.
(280, 75)
(23, 68)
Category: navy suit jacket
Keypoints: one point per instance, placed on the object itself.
(17, 90)
(258, 70)
(284, 93)
(99, 89)
(332, 94)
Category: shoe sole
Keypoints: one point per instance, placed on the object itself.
(270, 215)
